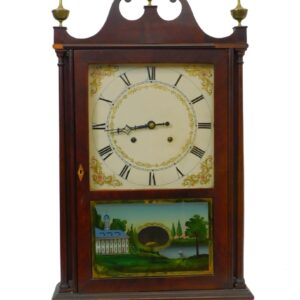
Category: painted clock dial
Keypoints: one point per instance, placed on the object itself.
(151, 126)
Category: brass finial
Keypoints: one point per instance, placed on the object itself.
(239, 13)
(149, 2)
(60, 14)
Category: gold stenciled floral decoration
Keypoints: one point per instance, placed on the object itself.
(203, 177)
(204, 73)
(100, 178)
(97, 73)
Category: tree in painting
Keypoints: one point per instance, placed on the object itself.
(196, 227)
(173, 231)
(118, 224)
(97, 219)
(179, 230)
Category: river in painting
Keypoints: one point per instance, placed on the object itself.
(177, 251)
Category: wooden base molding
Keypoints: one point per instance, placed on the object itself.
(232, 294)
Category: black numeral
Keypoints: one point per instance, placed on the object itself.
(105, 152)
(105, 100)
(194, 101)
(125, 172)
(198, 152)
(99, 126)
(179, 78)
(179, 172)
(151, 73)
(152, 180)
(125, 79)
(204, 125)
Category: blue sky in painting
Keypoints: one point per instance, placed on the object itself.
(139, 214)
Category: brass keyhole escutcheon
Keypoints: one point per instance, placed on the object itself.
(80, 172)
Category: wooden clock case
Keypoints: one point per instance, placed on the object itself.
(151, 40)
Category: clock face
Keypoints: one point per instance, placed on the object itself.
(151, 126)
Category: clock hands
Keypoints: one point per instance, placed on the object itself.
(127, 129)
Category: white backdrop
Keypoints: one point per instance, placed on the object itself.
(29, 223)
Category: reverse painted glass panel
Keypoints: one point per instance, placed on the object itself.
(151, 238)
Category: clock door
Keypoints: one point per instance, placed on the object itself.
(153, 191)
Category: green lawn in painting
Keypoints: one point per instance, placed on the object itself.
(146, 264)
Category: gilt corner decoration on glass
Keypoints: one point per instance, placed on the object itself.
(151, 158)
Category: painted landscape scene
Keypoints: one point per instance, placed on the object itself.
(152, 238)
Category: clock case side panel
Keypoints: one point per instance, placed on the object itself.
(236, 163)
(67, 171)
(236, 57)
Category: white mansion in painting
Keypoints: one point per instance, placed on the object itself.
(110, 242)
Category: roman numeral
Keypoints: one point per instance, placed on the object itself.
(198, 152)
(99, 126)
(105, 100)
(179, 172)
(125, 79)
(125, 172)
(204, 125)
(105, 152)
(152, 180)
(151, 73)
(179, 78)
(194, 101)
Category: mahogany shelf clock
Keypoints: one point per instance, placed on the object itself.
(151, 159)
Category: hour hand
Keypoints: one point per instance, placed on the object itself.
(151, 125)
